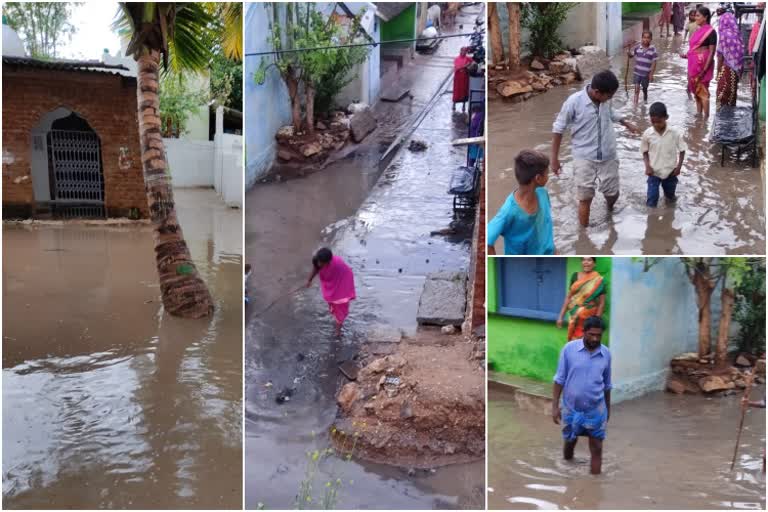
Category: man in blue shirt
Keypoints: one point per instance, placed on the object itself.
(589, 116)
(583, 379)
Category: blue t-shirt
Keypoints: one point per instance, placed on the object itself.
(523, 232)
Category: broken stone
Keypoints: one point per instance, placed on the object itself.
(675, 386)
(760, 366)
(348, 395)
(743, 361)
(284, 155)
(285, 132)
(715, 383)
(513, 88)
(354, 108)
(537, 65)
(362, 123)
(740, 383)
(443, 299)
(369, 408)
(559, 67)
(562, 56)
(310, 149)
(448, 329)
(387, 363)
(569, 78)
(320, 125)
(591, 60)
(349, 369)
(539, 87)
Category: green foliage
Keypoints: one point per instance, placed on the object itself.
(177, 103)
(227, 81)
(43, 26)
(749, 311)
(324, 71)
(543, 20)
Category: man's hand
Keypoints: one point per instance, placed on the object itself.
(677, 170)
(648, 170)
(556, 414)
(556, 166)
(631, 127)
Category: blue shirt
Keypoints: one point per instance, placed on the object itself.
(591, 124)
(584, 375)
(523, 232)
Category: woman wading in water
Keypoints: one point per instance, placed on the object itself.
(585, 298)
(337, 282)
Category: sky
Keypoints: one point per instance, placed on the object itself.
(93, 21)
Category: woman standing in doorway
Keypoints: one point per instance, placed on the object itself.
(461, 78)
(585, 298)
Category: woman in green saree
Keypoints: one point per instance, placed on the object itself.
(585, 298)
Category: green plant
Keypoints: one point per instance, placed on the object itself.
(750, 310)
(178, 101)
(542, 21)
(43, 26)
(227, 81)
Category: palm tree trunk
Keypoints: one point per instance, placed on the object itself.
(494, 27)
(514, 34)
(183, 291)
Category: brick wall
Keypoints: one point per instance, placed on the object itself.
(476, 289)
(106, 101)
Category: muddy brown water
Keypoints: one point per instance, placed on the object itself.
(107, 401)
(720, 209)
(377, 215)
(662, 451)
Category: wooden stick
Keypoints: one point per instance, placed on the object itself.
(750, 377)
(281, 297)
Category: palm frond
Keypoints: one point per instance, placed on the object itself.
(190, 41)
(232, 30)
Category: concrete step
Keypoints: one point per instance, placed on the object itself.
(531, 395)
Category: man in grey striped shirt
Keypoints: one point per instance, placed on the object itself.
(583, 379)
(590, 117)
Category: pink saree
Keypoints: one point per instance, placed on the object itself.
(697, 58)
(338, 286)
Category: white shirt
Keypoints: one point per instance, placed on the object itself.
(663, 149)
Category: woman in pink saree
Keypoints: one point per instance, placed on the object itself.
(337, 282)
(701, 60)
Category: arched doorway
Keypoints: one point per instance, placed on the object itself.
(67, 170)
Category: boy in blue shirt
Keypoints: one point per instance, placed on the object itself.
(525, 219)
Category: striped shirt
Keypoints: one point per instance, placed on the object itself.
(644, 58)
(584, 375)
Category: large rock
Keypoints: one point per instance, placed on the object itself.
(537, 65)
(591, 60)
(743, 361)
(444, 299)
(513, 88)
(311, 149)
(675, 386)
(354, 108)
(713, 383)
(284, 155)
(285, 132)
(348, 395)
(362, 123)
(558, 67)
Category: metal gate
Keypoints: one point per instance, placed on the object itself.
(75, 158)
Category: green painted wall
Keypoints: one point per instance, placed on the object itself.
(402, 26)
(526, 347)
(628, 7)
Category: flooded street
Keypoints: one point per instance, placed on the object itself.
(662, 451)
(719, 210)
(107, 401)
(379, 218)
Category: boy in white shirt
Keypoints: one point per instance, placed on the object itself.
(663, 150)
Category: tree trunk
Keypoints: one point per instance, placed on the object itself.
(309, 94)
(494, 28)
(514, 34)
(721, 348)
(183, 291)
(704, 286)
(293, 92)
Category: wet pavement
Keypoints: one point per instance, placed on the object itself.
(720, 210)
(107, 401)
(379, 218)
(662, 451)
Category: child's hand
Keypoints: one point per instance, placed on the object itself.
(556, 166)
(648, 170)
(650, 78)
(677, 170)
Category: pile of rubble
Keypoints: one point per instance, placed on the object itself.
(544, 74)
(331, 134)
(690, 374)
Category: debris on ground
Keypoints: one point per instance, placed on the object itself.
(691, 374)
(417, 145)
